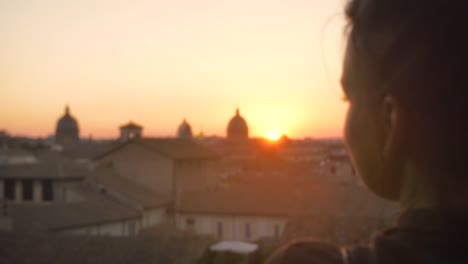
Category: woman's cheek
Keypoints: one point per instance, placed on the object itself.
(352, 134)
(347, 128)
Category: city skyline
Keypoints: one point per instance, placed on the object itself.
(272, 135)
(158, 62)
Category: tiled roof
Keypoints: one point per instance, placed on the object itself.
(85, 150)
(247, 201)
(44, 170)
(41, 248)
(179, 148)
(347, 200)
(127, 189)
(96, 208)
(15, 152)
(310, 198)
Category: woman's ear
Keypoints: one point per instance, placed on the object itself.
(393, 125)
(393, 158)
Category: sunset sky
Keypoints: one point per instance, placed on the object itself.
(157, 62)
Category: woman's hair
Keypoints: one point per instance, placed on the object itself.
(417, 51)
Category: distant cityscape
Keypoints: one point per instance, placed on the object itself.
(68, 132)
(203, 189)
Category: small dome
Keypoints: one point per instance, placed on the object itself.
(184, 130)
(67, 129)
(237, 127)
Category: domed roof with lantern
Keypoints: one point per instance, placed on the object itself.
(237, 128)
(184, 130)
(67, 131)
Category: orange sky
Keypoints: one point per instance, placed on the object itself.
(157, 62)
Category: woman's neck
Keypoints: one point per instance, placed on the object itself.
(432, 189)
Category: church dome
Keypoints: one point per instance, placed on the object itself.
(67, 131)
(184, 130)
(237, 127)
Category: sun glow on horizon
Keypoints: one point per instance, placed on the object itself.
(273, 135)
(156, 62)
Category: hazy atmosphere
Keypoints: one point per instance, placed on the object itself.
(157, 62)
(233, 131)
(179, 131)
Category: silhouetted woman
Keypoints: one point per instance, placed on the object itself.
(406, 79)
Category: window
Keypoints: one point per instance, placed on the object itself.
(277, 231)
(27, 190)
(190, 224)
(147, 220)
(190, 221)
(220, 230)
(109, 164)
(248, 232)
(47, 190)
(9, 189)
(131, 229)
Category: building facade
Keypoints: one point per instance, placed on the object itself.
(232, 227)
(167, 166)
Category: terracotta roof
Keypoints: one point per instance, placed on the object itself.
(85, 150)
(126, 189)
(179, 148)
(347, 200)
(308, 198)
(15, 152)
(249, 201)
(174, 148)
(97, 208)
(44, 170)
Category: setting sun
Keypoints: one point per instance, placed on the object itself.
(162, 61)
(273, 135)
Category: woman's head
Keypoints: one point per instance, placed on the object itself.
(405, 78)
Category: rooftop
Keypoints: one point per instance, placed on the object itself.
(234, 246)
(249, 201)
(131, 125)
(96, 208)
(126, 189)
(288, 198)
(44, 170)
(41, 248)
(174, 148)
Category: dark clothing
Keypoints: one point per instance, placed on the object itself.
(420, 236)
(425, 236)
